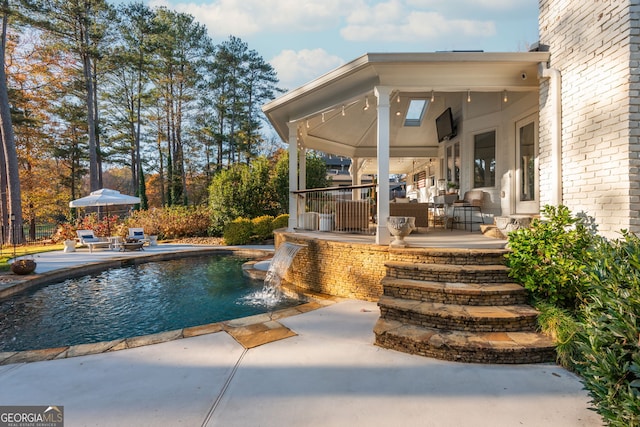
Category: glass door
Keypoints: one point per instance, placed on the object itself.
(453, 163)
(527, 179)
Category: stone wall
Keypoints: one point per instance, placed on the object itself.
(594, 45)
(355, 270)
(342, 269)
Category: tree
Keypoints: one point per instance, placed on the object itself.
(148, 92)
(9, 157)
(181, 48)
(316, 176)
(33, 84)
(239, 82)
(242, 191)
(79, 26)
(130, 83)
(259, 86)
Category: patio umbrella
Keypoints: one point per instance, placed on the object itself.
(104, 197)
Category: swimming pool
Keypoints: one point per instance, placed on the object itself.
(131, 301)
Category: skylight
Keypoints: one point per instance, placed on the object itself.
(415, 112)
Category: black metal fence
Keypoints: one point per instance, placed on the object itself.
(38, 234)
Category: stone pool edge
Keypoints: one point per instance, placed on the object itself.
(250, 331)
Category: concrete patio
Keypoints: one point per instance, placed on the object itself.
(324, 372)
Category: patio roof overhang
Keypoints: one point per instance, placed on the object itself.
(330, 116)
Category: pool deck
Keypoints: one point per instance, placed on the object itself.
(317, 368)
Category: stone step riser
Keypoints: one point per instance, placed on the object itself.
(466, 355)
(458, 305)
(417, 294)
(448, 258)
(459, 323)
(437, 275)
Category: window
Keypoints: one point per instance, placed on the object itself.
(415, 112)
(484, 163)
(453, 163)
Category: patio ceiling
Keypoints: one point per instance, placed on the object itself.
(330, 114)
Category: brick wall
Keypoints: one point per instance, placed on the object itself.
(594, 45)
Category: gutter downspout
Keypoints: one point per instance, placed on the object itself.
(555, 97)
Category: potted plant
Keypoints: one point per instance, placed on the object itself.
(23, 266)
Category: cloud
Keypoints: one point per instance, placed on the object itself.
(296, 68)
(409, 21)
(248, 17)
(392, 21)
(479, 9)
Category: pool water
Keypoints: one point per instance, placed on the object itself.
(131, 301)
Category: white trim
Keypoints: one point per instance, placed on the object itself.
(555, 93)
(382, 232)
(529, 206)
(293, 175)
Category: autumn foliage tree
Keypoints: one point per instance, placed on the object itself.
(142, 91)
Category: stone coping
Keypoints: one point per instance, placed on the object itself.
(248, 331)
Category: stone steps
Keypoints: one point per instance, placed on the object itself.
(453, 256)
(476, 318)
(492, 273)
(455, 292)
(435, 306)
(462, 346)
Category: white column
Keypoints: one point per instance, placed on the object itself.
(382, 232)
(302, 166)
(356, 176)
(293, 175)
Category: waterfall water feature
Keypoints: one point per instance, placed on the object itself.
(271, 292)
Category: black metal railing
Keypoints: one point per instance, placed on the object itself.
(347, 209)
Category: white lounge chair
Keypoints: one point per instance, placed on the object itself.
(137, 234)
(87, 238)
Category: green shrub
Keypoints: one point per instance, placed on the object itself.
(588, 293)
(281, 221)
(262, 227)
(609, 341)
(561, 325)
(238, 232)
(550, 257)
(173, 222)
(242, 190)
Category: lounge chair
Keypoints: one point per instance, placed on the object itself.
(137, 235)
(87, 238)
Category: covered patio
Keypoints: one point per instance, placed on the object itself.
(380, 110)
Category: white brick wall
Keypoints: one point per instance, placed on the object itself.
(594, 45)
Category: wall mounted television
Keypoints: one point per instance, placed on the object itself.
(445, 128)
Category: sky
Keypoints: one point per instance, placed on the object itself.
(304, 39)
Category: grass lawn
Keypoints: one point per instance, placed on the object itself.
(7, 252)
